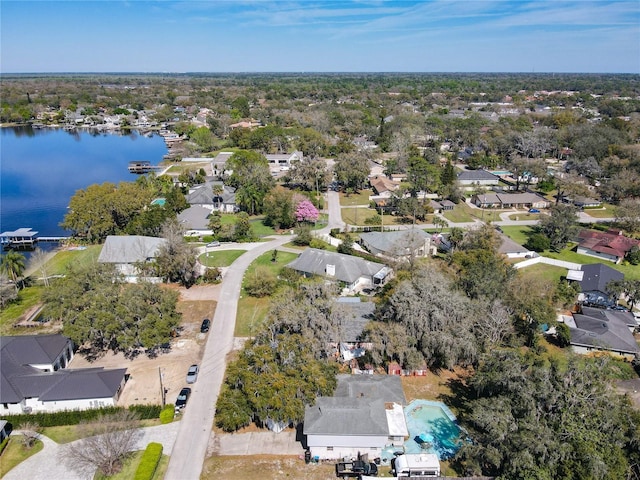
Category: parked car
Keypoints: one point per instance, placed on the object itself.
(192, 374)
(215, 243)
(183, 396)
(534, 210)
(206, 323)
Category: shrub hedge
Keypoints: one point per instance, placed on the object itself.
(149, 462)
(74, 417)
(167, 414)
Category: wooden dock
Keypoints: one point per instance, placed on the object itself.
(142, 166)
(25, 238)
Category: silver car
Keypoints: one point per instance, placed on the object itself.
(192, 374)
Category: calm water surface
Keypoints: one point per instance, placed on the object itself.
(40, 170)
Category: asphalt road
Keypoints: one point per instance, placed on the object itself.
(195, 432)
(190, 448)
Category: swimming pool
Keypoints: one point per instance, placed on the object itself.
(432, 429)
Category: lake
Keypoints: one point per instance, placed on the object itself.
(40, 170)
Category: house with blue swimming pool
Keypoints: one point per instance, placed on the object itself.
(368, 414)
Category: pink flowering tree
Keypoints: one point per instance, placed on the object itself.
(306, 212)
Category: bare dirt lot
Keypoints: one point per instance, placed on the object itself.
(143, 385)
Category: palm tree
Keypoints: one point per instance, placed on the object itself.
(13, 265)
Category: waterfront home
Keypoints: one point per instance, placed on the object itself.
(129, 252)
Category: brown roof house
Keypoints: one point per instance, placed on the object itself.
(611, 245)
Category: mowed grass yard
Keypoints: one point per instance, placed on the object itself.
(253, 310)
(30, 297)
(519, 234)
(221, 258)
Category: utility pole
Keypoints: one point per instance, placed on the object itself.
(163, 393)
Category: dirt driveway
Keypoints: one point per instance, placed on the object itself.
(143, 385)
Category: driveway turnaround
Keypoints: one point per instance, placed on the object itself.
(48, 463)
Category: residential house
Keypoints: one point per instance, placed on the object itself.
(354, 316)
(33, 377)
(512, 249)
(282, 162)
(510, 200)
(128, 252)
(400, 244)
(596, 329)
(208, 196)
(472, 178)
(195, 221)
(594, 280)
(383, 186)
(355, 273)
(364, 416)
(611, 245)
(446, 205)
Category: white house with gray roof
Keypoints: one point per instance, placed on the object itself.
(364, 415)
(127, 252)
(356, 273)
(597, 329)
(204, 196)
(400, 244)
(472, 178)
(33, 377)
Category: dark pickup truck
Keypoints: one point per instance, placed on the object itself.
(356, 469)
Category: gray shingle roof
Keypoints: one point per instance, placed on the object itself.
(603, 329)
(400, 242)
(355, 316)
(347, 267)
(385, 387)
(357, 407)
(477, 175)
(33, 349)
(346, 416)
(18, 380)
(597, 276)
(129, 248)
(195, 218)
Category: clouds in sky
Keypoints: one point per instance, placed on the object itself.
(263, 35)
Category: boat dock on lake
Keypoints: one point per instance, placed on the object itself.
(142, 166)
(24, 238)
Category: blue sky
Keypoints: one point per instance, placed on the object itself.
(320, 36)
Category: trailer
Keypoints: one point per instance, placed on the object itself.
(416, 465)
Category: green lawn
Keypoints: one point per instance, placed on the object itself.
(631, 272)
(259, 228)
(131, 465)
(517, 233)
(222, 258)
(252, 310)
(58, 264)
(27, 298)
(459, 214)
(548, 273)
(605, 212)
(15, 453)
(357, 216)
(360, 198)
(486, 215)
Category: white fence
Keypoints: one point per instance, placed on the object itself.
(549, 261)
